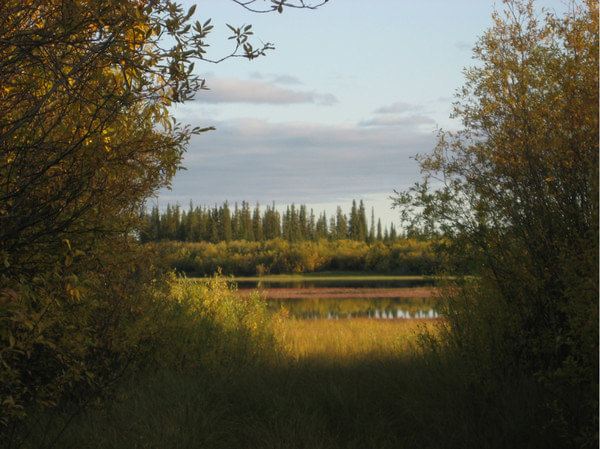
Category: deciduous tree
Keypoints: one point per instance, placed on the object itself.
(517, 191)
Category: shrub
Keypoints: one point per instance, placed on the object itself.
(279, 256)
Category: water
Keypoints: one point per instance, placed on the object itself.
(373, 308)
(370, 299)
(357, 283)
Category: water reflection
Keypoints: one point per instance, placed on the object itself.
(347, 298)
(371, 308)
(354, 283)
(376, 315)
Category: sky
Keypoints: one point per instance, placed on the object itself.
(351, 93)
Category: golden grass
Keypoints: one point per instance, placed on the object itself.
(346, 339)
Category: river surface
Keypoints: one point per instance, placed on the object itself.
(349, 298)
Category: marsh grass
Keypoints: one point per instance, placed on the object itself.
(230, 375)
(350, 339)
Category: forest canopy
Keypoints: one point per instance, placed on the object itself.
(243, 222)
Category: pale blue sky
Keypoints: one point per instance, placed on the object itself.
(335, 112)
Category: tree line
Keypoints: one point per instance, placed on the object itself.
(278, 256)
(243, 222)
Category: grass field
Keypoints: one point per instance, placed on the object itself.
(338, 384)
(220, 382)
(350, 339)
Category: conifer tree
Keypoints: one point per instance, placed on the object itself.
(321, 227)
(311, 226)
(257, 225)
(341, 224)
(235, 222)
(226, 233)
(353, 225)
(202, 224)
(371, 236)
(213, 225)
(272, 223)
(188, 223)
(302, 223)
(392, 232)
(220, 223)
(285, 224)
(182, 219)
(362, 222)
(294, 224)
(333, 229)
(247, 233)
(152, 229)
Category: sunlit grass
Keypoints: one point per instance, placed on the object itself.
(231, 375)
(349, 339)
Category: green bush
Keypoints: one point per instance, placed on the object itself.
(185, 329)
(411, 257)
(69, 334)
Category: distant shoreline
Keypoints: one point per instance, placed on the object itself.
(323, 277)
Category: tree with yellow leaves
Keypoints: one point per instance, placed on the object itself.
(85, 138)
(516, 190)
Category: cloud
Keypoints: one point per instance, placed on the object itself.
(403, 121)
(398, 108)
(232, 90)
(258, 160)
(276, 78)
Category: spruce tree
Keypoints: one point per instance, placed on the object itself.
(392, 232)
(219, 223)
(235, 222)
(225, 223)
(341, 224)
(371, 237)
(247, 233)
(213, 225)
(353, 231)
(154, 231)
(257, 225)
(321, 227)
(362, 222)
(333, 230)
(294, 224)
(302, 224)
(311, 226)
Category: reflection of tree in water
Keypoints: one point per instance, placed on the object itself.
(397, 283)
(367, 307)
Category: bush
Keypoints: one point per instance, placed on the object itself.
(186, 327)
(411, 257)
(68, 335)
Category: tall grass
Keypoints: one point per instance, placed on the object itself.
(346, 340)
(226, 374)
